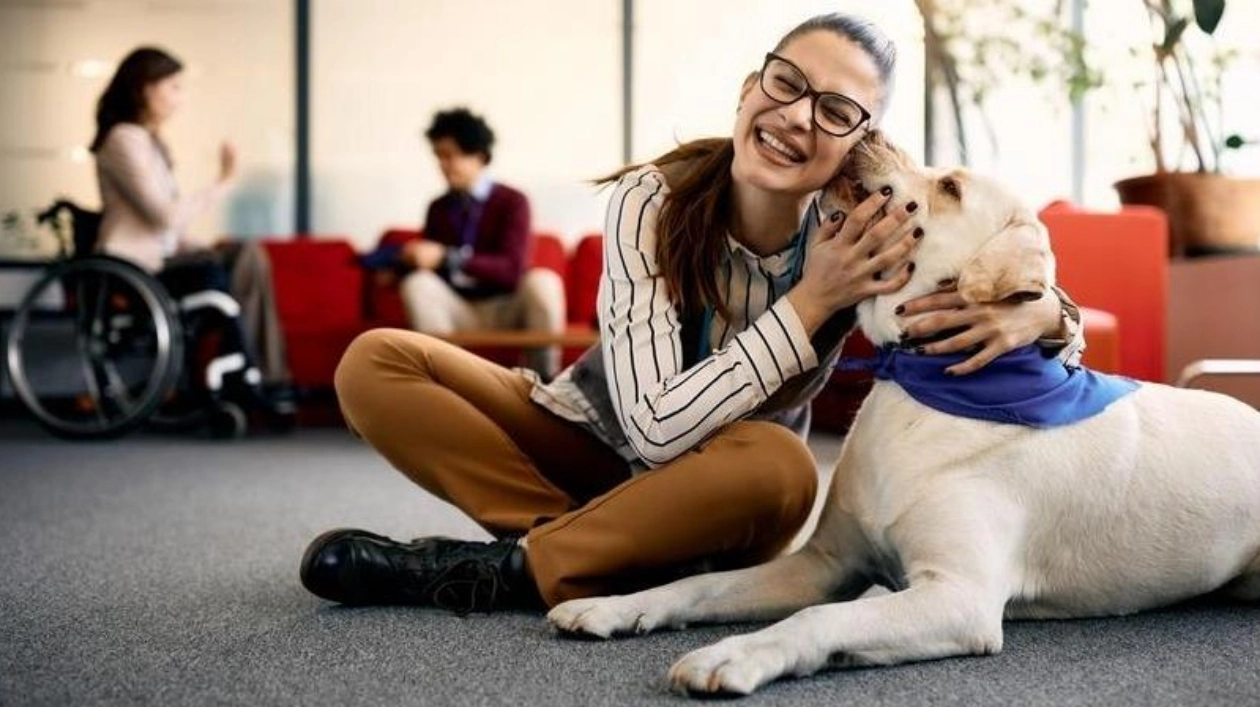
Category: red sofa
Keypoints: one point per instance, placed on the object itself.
(325, 298)
(580, 271)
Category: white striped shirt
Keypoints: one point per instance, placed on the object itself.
(662, 409)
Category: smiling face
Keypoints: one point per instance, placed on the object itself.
(777, 147)
(976, 232)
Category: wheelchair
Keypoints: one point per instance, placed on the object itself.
(98, 347)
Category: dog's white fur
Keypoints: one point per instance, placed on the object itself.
(1152, 501)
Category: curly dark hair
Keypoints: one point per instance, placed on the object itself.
(123, 99)
(466, 128)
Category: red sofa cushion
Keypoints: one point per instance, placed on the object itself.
(319, 296)
(548, 252)
(318, 283)
(586, 265)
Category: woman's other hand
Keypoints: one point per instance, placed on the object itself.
(866, 254)
(994, 329)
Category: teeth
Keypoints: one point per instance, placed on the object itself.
(780, 146)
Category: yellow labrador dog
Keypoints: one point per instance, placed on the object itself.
(1152, 499)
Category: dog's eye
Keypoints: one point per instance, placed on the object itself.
(950, 186)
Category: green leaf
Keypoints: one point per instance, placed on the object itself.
(1207, 14)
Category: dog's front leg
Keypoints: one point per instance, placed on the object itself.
(934, 619)
(955, 544)
(769, 591)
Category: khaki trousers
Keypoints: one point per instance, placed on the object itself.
(434, 307)
(251, 286)
(466, 430)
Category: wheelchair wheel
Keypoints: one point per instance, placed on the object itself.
(94, 348)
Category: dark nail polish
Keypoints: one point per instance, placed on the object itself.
(910, 268)
(879, 276)
(901, 309)
(835, 216)
(918, 233)
(945, 283)
(912, 207)
(885, 190)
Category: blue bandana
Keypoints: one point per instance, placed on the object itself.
(1023, 387)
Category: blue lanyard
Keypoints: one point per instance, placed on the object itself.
(798, 265)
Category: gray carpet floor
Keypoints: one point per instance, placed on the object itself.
(162, 570)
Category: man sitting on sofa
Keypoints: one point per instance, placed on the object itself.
(469, 270)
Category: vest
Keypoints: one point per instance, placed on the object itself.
(788, 406)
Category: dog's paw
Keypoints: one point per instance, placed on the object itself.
(602, 617)
(736, 665)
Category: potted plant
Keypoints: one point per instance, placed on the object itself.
(1207, 211)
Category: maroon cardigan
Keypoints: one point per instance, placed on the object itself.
(500, 247)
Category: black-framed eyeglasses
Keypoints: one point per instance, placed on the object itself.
(834, 113)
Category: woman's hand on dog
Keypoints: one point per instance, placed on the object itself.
(866, 254)
(993, 329)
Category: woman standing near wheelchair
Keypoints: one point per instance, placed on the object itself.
(145, 218)
(677, 442)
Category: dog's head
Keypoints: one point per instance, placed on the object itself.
(975, 232)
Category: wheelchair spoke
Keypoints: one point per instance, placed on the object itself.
(102, 298)
(80, 301)
(89, 377)
(91, 345)
(117, 388)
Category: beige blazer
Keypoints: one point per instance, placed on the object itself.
(144, 218)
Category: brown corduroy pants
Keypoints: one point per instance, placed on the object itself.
(466, 430)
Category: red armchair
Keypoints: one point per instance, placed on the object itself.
(1117, 262)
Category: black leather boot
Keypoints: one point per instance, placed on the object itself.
(359, 568)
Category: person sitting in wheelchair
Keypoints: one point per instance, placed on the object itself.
(145, 218)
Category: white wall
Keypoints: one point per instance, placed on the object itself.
(545, 75)
(56, 57)
(691, 59)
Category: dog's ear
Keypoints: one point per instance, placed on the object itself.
(1016, 265)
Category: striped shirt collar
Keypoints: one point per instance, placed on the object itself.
(776, 264)
(780, 263)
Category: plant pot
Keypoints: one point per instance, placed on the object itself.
(1207, 213)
